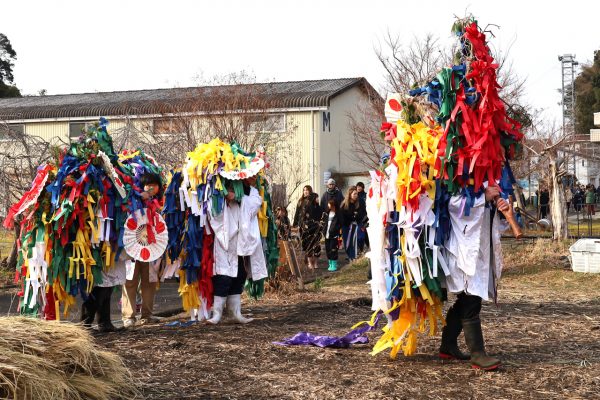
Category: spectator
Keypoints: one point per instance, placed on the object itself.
(332, 193)
(307, 219)
(590, 200)
(332, 224)
(578, 198)
(283, 223)
(362, 195)
(568, 198)
(363, 237)
(353, 214)
(544, 202)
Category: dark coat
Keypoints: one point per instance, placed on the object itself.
(336, 225)
(356, 212)
(308, 213)
(336, 195)
(544, 198)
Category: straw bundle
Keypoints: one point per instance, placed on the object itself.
(53, 360)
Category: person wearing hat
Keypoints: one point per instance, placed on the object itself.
(332, 193)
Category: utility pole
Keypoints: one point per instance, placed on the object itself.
(568, 104)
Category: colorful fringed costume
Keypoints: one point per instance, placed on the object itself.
(195, 201)
(402, 231)
(430, 226)
(74, 223)
(429, 200)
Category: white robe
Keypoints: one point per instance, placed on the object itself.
(249, 242)
(473, 250)
(377, 210)
(226, 229)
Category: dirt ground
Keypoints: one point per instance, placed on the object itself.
(546, 330)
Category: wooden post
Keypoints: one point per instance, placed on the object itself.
(292, 260)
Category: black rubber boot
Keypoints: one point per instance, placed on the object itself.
(474, 339)
(88, 311)
(104, 322)
(449, 348)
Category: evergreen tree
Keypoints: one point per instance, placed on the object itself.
(7, 56)
(587, 96)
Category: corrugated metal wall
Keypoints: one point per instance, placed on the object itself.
(291, 156)
(48, 130)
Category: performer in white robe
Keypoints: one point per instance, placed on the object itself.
(249, 245)
(474, 267)
(229, 274)
(238, 251)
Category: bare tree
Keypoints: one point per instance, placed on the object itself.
(364, 122)
(415, 63)
(551, 161)
(232, 108)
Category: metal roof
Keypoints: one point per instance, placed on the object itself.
(273, 95)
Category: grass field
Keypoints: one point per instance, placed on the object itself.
(6, 242)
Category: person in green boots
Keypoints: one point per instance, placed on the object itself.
(332, 224)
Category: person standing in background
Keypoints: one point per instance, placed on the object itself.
(332, 224)
(544, 202)
(363, 236)
(353, 212)
(590, 200)
(307, 218)
(568, 198)
(578, 199)
(332, 193)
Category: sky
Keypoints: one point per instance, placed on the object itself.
(88, 46)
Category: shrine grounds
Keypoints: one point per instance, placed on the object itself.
(546, 330)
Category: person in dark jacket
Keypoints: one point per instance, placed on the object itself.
(544, 203)
(307, 219)
(353, 213)
(332, 225)
(578, 199)
(363, 237)
(332, 192)
(283, 223)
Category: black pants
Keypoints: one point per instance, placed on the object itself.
(98, 302)
(543, 211)
(224, 285)
(331, 247)
(466, 306)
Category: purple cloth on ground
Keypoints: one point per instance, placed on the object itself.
(355, 336)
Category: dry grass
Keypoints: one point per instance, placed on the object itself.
(546, 329)
(6, 242)
(53, 360)
(544, 268)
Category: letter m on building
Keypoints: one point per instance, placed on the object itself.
(326, 121)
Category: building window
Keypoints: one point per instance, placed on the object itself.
(266, 123)
(76, 129)
(7, 132)
(583, 163)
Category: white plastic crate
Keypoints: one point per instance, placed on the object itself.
(585, 256)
